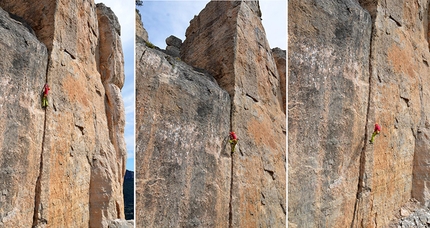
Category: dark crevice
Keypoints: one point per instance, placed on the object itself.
(92, 30)
(70, 54)
(263, 199)
(170, 60)
(271, 72)
(37, 216)
(425, 62)
(413, 133)
(230, 207)
(271, 173)
(141, 57)
(37, 206)
(80, 128)
(253, 98)
(232, 111)
(283, 208)
(397, 22)
(406, 100)
(362, 167)
(21, 21)
(230, 214)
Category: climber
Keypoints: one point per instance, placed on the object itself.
(45, 96)
(233, 141)
(375, 132)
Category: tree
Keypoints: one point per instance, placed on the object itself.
(139, 2)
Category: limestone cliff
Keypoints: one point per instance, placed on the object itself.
(280, 57)
(23, 69)
(182, 120)
(141, 34)
(352, 64)
(188, 175)
(65, 166)
(228, 40)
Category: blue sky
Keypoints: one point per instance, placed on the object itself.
(124, 10)
(164, 18)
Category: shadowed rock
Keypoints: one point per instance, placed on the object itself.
(23, 73)
(182, 150)
(228, 40)
(353, 64)
(77, 181)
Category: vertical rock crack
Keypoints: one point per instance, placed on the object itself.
(230, 214)
(362, 168)
(38, 188)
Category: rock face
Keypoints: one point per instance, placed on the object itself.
(327, 109)
(341, 82)
(182, 150)
(228, 40)
(23, 69)
(141, 34)
(280, 57)
(121, 224)
(173, 47)
(80, 155)
(109, 177)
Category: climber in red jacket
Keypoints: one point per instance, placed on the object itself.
(233, 140)
(376, 131)
(45, 96)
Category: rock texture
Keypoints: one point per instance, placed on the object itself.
(228, 40)
(182, 151)
(80, 148)
(117, 223)
(23, 72)
(327, 110)
(281, 64)
(141, 34)
(411, 215)
(342, 81)
(109, 202)
(173, 47)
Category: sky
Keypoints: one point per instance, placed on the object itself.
(164, 18)
(124, 10)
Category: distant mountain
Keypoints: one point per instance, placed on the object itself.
(128, 191)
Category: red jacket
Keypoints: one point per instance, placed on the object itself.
(233, 136)
(45, 92)
(377, 127)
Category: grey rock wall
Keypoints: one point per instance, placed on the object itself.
(23, 73)
(182, 149)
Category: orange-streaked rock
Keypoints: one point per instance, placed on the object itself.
(228, 40)
(82, 154)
